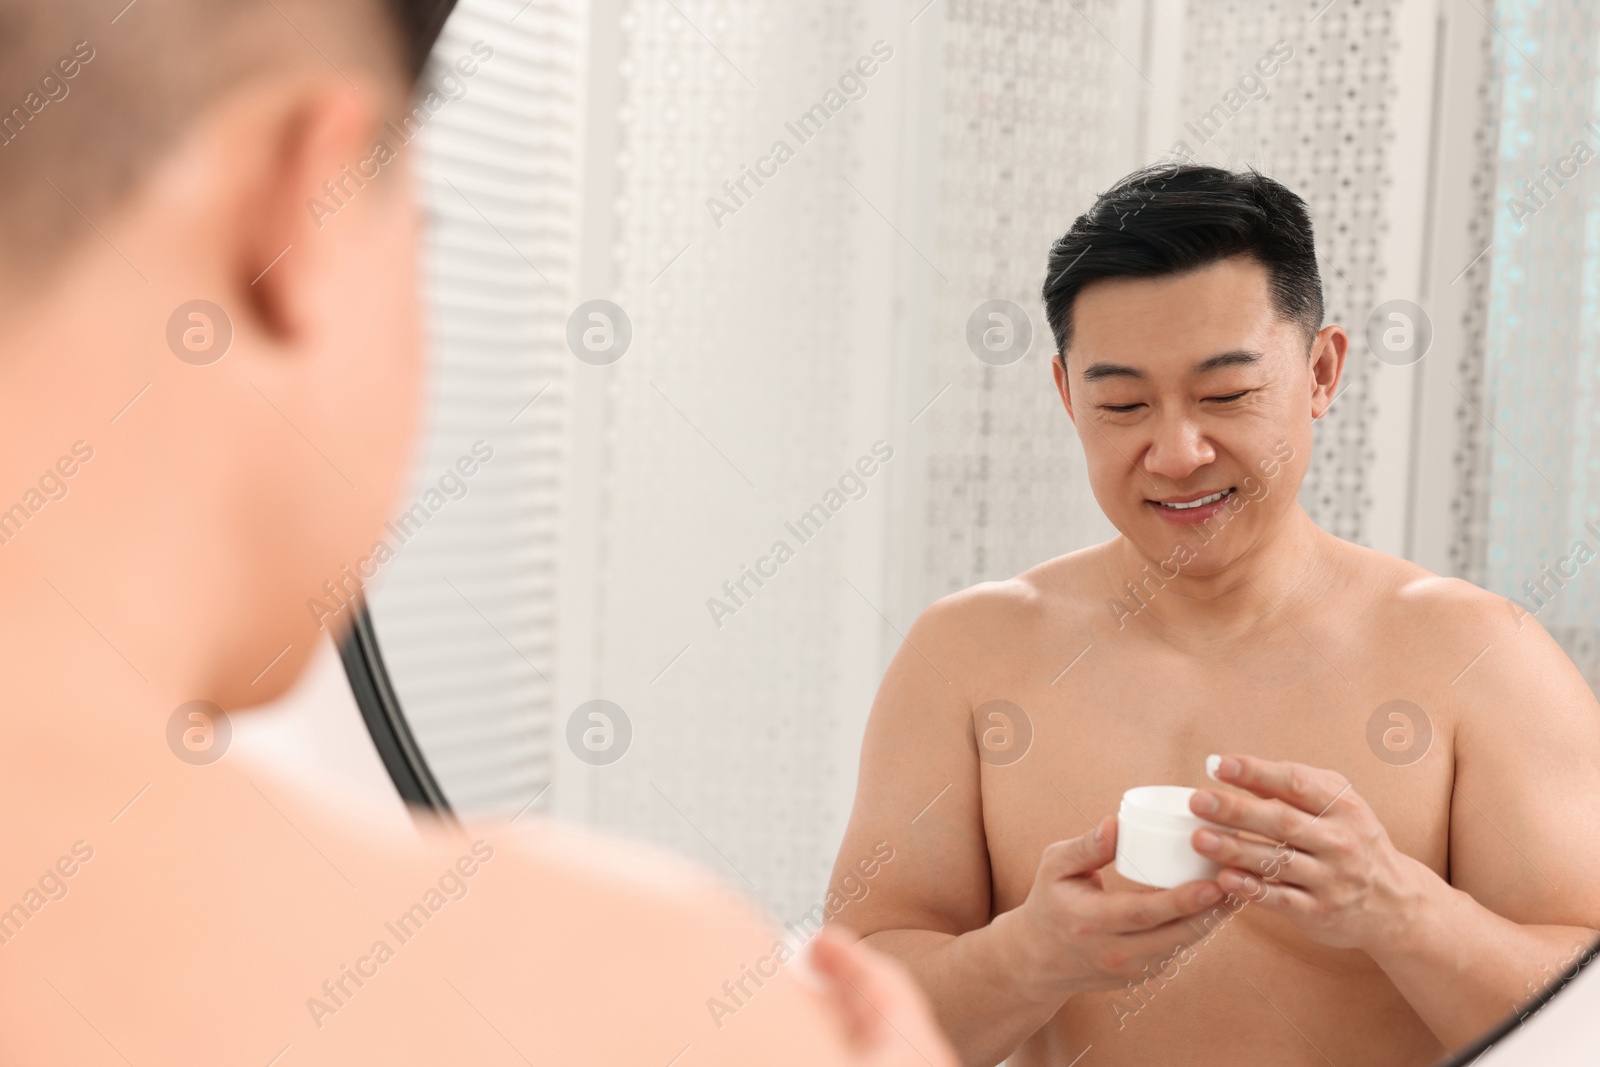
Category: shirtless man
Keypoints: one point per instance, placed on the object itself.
(184, 478)
(1398, 877)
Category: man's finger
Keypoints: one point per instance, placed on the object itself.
(1129, 912)
(1311, 789)
(1167, 938)
(1079, 855)
(1290, 900)
(1271, 862)
(1271, 818)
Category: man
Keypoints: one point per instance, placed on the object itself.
(1407, 768)
(208, 392)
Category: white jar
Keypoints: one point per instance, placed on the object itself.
(1154, 828)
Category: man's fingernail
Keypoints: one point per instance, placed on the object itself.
(1205, 802)
(1206, 841)
(1211, 765)
(1210, 895)
(1230, 768)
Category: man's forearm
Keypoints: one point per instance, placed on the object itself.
(974, 983)
(1464, 968)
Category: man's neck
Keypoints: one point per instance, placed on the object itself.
(1287, 564)
(125, 578)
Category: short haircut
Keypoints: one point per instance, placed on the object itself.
(93, 93)
(1175, 217)
(420, 22)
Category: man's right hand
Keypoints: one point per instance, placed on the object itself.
(1077, 936)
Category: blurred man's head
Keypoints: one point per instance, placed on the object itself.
(89, 104)
(1187, 312)
(160, 154)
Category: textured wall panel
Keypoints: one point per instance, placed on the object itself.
(728, 419)
(1035, 125)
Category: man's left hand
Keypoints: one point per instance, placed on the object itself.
(1327, 865)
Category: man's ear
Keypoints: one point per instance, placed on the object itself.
(1058, 367)
(1327, 367)
(307, 135)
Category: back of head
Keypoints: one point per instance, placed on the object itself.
(1170, 218)
(92, 93)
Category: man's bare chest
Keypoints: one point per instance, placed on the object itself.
(1058, 752)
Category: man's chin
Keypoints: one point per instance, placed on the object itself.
(270, 670)
(1186, 551)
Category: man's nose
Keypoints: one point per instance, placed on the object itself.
(1178, 448)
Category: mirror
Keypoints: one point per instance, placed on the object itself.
(741, 365)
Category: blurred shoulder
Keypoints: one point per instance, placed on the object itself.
(594, 868)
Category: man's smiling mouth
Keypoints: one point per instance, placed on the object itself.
(1198, 502)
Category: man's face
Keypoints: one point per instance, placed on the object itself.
(1190, 389)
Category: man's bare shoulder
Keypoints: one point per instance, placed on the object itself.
(587, 863)
(1446, 623)
(251, 889)
(1001, 611)
(1414, 599)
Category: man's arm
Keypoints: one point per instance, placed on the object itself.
(1523, 898)
(1524, 893)
(918, 793)
(992, 983)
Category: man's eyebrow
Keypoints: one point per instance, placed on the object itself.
(1237, 358)
(1102, 370)
(1095, 372)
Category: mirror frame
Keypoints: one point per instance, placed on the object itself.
(1482, 1045)
(386, 721)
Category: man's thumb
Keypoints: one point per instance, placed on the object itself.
(1080, 855)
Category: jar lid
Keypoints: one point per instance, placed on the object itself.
(1162, 805)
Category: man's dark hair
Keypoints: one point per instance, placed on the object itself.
(420, 22)
(1174, 217)
(93, 93)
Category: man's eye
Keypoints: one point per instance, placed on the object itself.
(1229, 398)
(1120, 409)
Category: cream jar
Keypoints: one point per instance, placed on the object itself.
(1154, 828)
